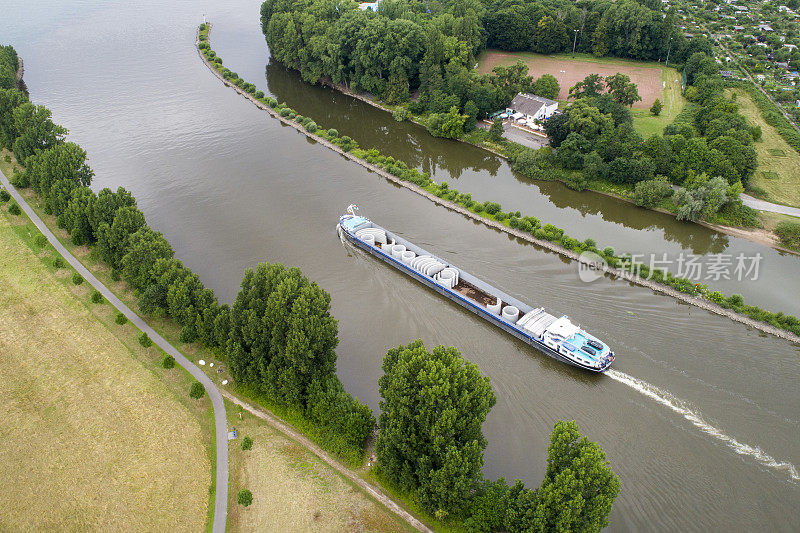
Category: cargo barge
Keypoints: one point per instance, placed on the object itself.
(557, 337)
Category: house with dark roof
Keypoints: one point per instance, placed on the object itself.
(529, 107)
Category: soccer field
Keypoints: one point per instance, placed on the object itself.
(568, 71)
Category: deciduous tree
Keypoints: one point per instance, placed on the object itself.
(433, 405)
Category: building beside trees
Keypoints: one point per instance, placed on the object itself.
(530, 107)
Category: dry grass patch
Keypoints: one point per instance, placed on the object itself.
(778, 173)
(89, 438)
(294, 490)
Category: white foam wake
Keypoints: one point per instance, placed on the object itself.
(677, 405)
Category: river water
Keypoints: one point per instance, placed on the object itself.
(701, 416)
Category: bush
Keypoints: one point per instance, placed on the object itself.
(7, 158)
(145, 340)
(169, 362)
(4, 196)
(259, 94)
(40, 240)
(97, 297)
(311, 126)
(245, 497)
(115, 275)
(197, 390)
(491, 207)
(14, 209)
(734, 300)
(285, 112)
(58, 262)
(271, 101)
(77, 279)
(120, 319)
(188, 334)
(789, 234)
(247, 443)
(401, 114)
(650, 193)
(333, 132)
(335, 409)
(19, 179)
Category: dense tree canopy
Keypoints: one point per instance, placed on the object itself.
(282, 333)
(433, 405)
(432, 47)
(579, 487)
(35, 130)
(9, 63)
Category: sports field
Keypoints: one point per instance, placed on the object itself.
(90, 437)
(568, 71)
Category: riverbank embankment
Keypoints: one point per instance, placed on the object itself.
(608, 270)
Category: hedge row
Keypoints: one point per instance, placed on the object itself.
(528, 224)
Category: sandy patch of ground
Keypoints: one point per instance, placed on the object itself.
(569, 71)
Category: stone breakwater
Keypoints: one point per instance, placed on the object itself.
(606, 269)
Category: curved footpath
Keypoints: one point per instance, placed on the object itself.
(605, 268)
(763, 205)
(220, 418)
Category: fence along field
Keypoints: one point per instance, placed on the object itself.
(568, 71)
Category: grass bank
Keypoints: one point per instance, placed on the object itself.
(778, 176)
(95, 434)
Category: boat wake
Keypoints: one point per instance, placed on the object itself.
(680, 407)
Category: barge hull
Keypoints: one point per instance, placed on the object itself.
(531, 341)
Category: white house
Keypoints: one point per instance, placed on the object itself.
(369, 6)
(528, 107)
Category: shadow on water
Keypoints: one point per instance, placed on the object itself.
(485, 175)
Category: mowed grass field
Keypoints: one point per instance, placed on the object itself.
(778, 173)
(91, 436)
(653, 80)
(293, 490)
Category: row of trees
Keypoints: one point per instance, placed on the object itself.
(637, 30)
(279, 336)
(433, 405)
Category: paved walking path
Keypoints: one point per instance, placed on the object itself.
(220, 419)
(367, 487)
(763, 205)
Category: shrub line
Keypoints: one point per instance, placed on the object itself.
(697, 301)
